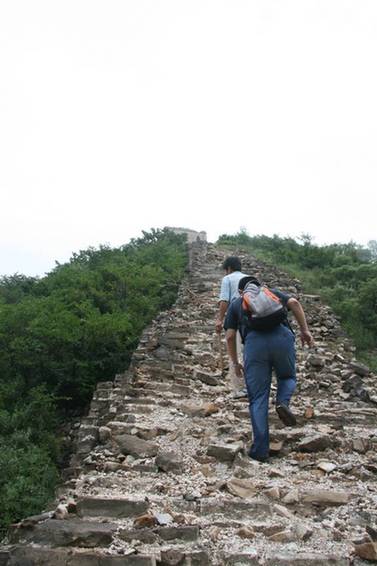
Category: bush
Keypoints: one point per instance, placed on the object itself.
(27, 478)
(60, 335)
(345, 275)
(81, 323)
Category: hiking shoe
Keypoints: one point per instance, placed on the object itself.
(286, 415)
(261, 459)
(240, 394)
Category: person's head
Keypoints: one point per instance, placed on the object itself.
(232, 263)
(245, 280)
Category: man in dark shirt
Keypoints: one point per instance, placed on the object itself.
(265, 350)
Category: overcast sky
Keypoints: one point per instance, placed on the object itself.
(121, 115)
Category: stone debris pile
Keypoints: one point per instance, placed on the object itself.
(161, 475)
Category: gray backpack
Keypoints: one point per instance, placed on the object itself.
(262, 308)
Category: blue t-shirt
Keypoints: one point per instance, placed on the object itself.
(235, 319)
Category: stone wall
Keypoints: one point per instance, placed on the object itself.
(161, 474)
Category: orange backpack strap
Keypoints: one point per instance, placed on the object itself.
(271, 294)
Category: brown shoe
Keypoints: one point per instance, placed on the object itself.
(286, 415)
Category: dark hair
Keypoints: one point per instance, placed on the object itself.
(247, 279)
(233, 263)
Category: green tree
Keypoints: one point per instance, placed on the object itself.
(60, 335)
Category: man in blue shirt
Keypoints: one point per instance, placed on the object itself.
(265, 350)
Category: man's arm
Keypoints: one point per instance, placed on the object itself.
(224, 300)
(298, 312)
(223, 307)
(231, 344)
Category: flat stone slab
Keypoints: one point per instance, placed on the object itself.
(31, 556)
(99, 507)
(244, 558)
(169, 461)
(306, 559)
(367, 551)
(179, 557)
(224, 452)
(73, 532)
(187, 533)
(135, 446)
(324, 497)
(316, 360)
(235, 507)
(244, 488)
(360, 369)
(147, 536)
(315, 443)
(207, 377)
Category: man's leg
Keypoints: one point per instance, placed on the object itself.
(237, 383)
(284, 362)
(258, 382)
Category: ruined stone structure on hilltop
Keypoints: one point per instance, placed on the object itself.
(192, 235)
(161, 475)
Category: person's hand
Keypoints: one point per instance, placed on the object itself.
(307, 338)
(219, 326)
(238, 369)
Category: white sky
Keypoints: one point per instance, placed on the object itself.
(121, 115)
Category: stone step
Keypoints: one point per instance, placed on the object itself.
(99, 405)
(89, 420)
(137, 409)
(159, 535)
(307, 559)
(103, 394)
(105, 385)
(111, 507)
(89, 534)
(179, 389)
(252, 558)
(151, 386)
(125, 419)
(138, 401)
(184, 557)
(39, 556)
(228, 508)
(320, 418)
(235, 508)
(72, 532)
(158, 373)
(120, 427)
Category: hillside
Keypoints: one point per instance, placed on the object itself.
(61, 334)
(160, 473)
(344, 275)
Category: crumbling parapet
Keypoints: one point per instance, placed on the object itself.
(192, 235)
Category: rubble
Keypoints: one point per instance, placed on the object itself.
(315, 443)
(161, 473)
(169, 462)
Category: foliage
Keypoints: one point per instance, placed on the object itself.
(81, 323)
(28, 450)
(345, 275)
(60, 335)
(27, 479)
